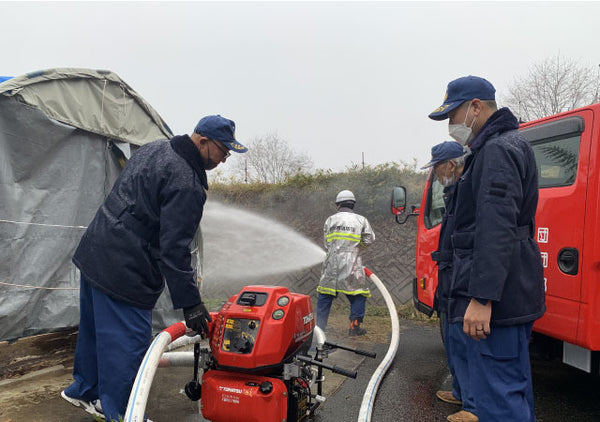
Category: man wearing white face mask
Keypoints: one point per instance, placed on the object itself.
(448, 161)
(497, 289)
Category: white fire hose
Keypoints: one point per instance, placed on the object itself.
(174, 359)
(183, 341)
(143, 381)
(369, 397)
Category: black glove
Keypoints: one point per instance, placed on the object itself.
(197, 318)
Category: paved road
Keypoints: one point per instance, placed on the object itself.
(407, 393)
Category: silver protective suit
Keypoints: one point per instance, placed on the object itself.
(345, 235)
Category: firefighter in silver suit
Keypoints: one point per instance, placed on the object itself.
(345, 235)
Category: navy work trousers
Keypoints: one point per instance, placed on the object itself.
(456, 392)
(357, 308)
(112, 340)
(456, 351)
(500, 375)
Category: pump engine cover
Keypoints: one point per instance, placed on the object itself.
(260, 328)
(236, 397)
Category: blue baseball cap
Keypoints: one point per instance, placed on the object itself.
(220, 129)
(445, 151)
(461, 90)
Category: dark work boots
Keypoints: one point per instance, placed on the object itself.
(355, 329)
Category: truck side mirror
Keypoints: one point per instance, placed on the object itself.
(399, 204)
(398, 200)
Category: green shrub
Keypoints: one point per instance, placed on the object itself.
(372, 186)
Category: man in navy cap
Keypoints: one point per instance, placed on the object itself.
(497, 289)
(448, 161)
(140, 238)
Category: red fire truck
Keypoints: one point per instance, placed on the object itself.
(567, 151)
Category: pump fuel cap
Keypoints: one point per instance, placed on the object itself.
(266, 387)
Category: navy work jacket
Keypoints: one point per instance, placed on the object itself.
(443, 254)
(141, 235)
(495, 255)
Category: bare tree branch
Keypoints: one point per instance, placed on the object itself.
(555, 85)
(271, 160)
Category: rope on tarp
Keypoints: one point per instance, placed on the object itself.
(28, 286)
(42, 224)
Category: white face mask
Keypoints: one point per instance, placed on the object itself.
(461, 132)
(447, 181)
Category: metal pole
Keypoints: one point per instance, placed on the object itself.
(597, 83)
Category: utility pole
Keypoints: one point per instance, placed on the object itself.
(597, 83)
(363, 159)
(245, 170)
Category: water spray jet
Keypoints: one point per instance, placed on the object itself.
(242, 246)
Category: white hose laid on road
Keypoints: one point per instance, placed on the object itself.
(369, 397)
(143, 381)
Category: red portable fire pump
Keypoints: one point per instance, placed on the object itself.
(258, 367)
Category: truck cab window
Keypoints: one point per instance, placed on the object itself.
(434, 207)
(557, 161)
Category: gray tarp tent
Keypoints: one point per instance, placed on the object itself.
(64, 136)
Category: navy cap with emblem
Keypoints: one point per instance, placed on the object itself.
(445, 151)
(461, 90)
(220, 129)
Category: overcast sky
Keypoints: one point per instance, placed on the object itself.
(333, 79)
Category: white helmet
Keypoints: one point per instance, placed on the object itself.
(344, 196)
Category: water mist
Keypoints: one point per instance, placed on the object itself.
(240, 247)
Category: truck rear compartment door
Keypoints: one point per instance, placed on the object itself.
(562, 149)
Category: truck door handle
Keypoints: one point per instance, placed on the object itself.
(568, 261)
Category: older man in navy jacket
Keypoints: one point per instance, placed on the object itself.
(139, 238)
(497, 288)
(448, 162)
